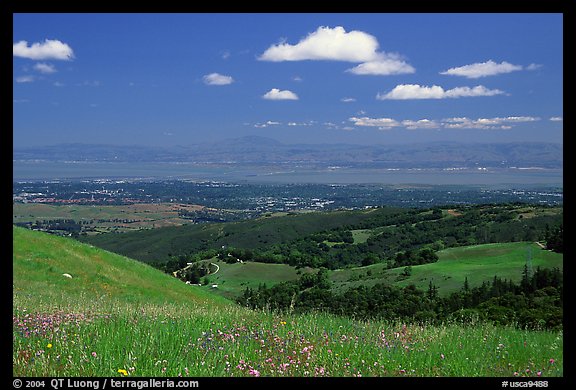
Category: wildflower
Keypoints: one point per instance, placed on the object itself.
(49, 345)
(442, 355)
(94, 354)
(539, 373)
(254, 372)
(122, 371)
(551, 361)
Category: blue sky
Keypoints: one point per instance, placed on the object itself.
(178, 79)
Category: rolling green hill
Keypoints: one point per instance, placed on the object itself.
(117, 317)
(98, 276)
(337, 239)
(477, 263)
(232, 279)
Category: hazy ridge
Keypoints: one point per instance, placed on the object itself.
(262, 150)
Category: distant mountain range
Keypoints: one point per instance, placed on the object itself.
(261, 150)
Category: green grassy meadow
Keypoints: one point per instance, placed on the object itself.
(232, 279)
(477, 263)
(120, 317)
(481, 263)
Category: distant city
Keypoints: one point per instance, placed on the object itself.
(255, 199)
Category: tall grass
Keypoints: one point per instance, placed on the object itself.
(148, 340)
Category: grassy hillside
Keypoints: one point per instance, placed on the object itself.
(117, 317)
(40, 260)
(232, 279)
(478, 263)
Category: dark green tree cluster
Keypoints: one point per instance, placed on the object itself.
(57, 226)
(176, 263)
(535, 303)
(555, 239)
(406, 258)
(194, 273)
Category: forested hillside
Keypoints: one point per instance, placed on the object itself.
(396, 236)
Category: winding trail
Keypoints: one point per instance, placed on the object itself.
(175, 273)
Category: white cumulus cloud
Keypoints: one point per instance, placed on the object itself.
(478, 90)
(383, 67)
(420, 124)
(482, 69)
(381, 123)
(45, 68)
(556, 119)
(217, 79)
(49, 49)
(276, 94)
(496, 123)
(336, 44)
(25, 79)
(502, 123)
(267, 123)
(533, 66)
(415, 91)
(326, 44)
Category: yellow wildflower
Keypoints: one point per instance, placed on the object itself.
(123, 372)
